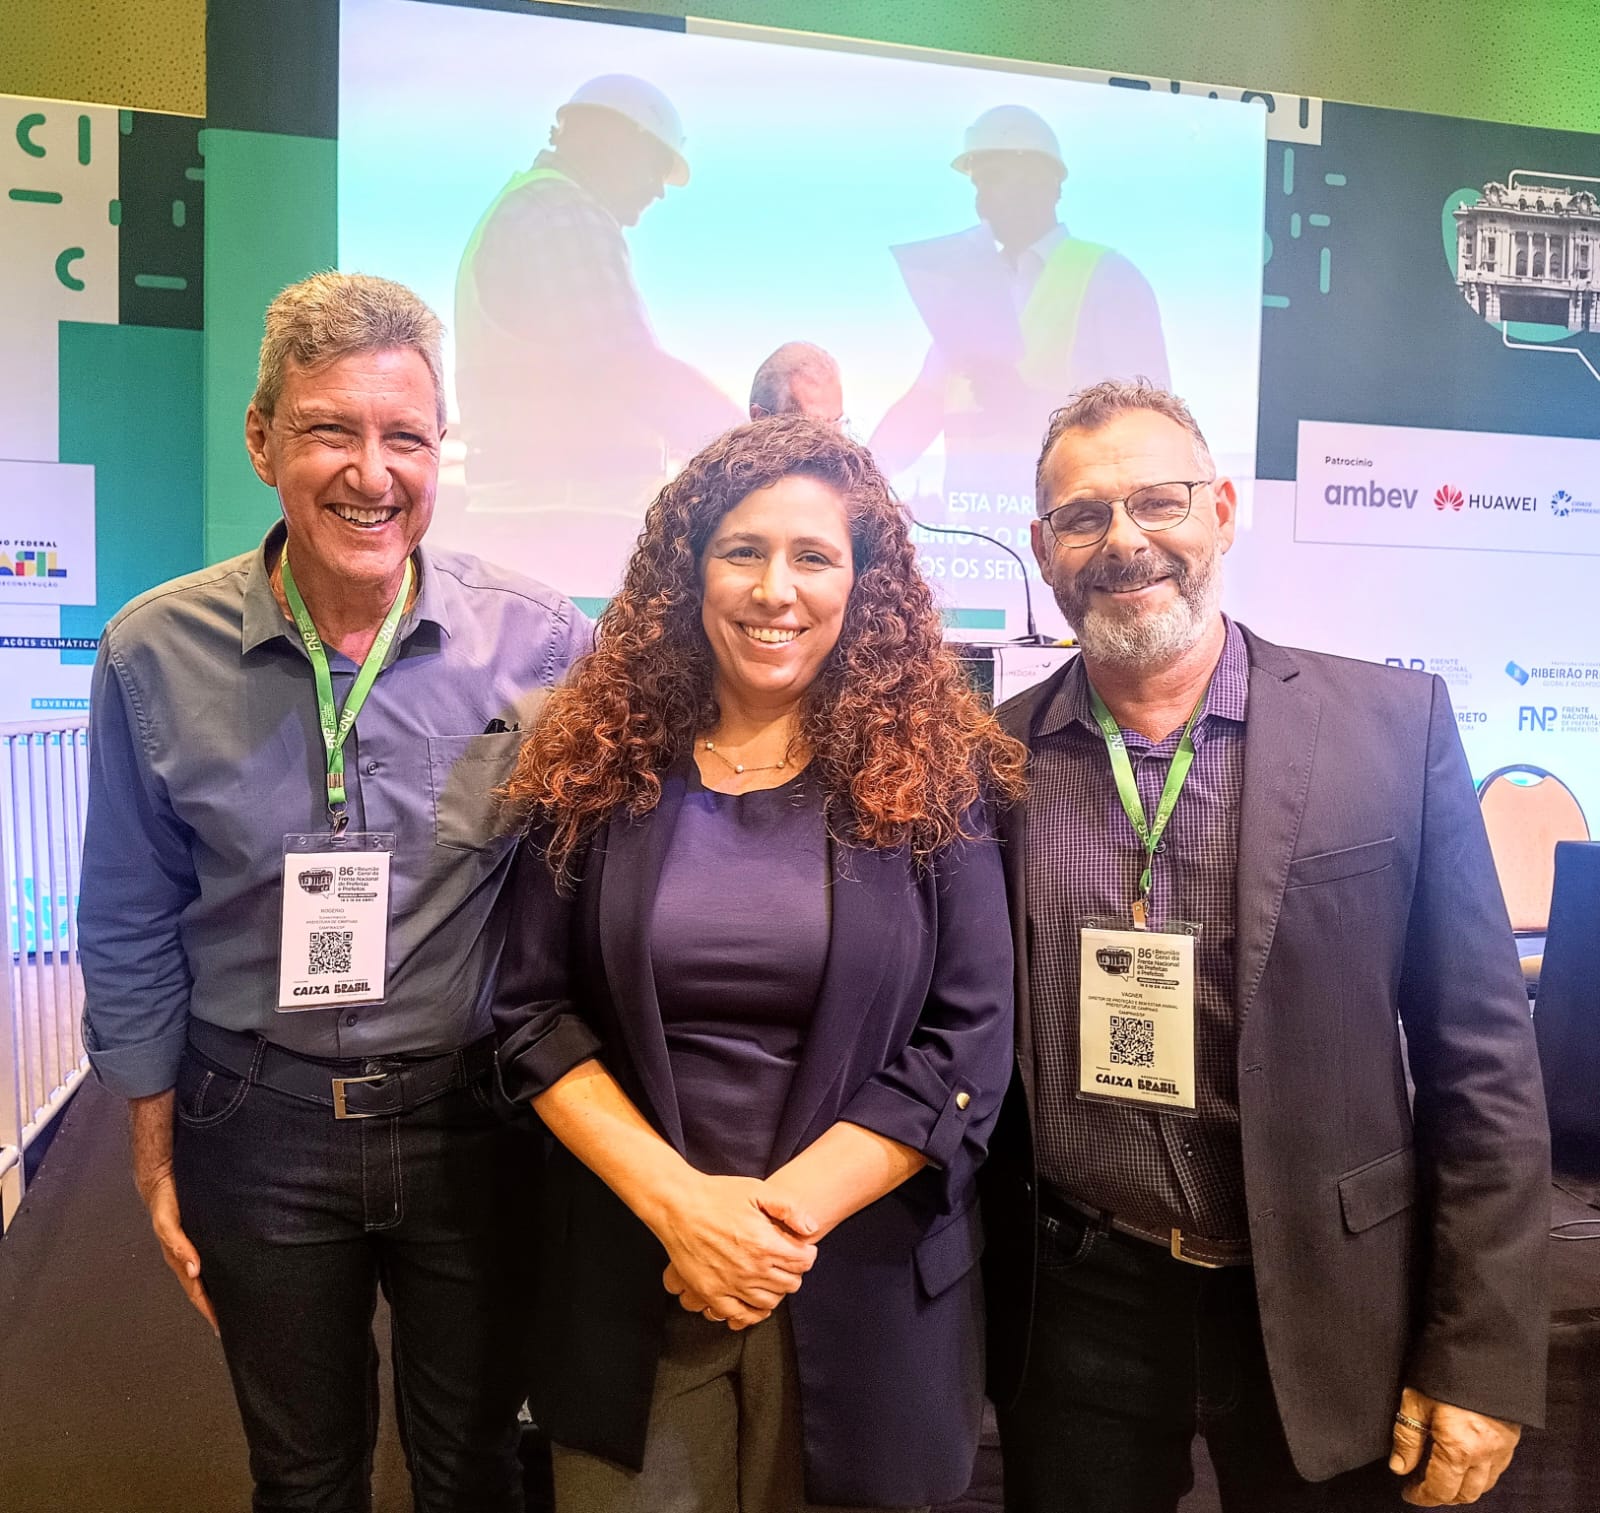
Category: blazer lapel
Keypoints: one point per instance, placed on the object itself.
(860, 915)
(1280, 738)
(635, 853)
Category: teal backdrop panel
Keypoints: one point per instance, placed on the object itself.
(1365, 322)
(130, 399)
(269, 221)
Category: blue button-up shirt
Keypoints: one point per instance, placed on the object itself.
(205, 751)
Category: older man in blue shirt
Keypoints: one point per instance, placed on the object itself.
(292, 800)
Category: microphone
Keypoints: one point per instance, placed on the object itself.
(1032, 638)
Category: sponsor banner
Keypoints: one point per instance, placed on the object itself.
(1403, 486)
(1545, 699)
(1431, 287)
(46, 533)
(1510, 637)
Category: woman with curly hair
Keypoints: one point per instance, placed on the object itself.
(758, 985)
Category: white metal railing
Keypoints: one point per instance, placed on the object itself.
(44, 770)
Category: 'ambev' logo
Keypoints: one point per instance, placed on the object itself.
(1448, 497)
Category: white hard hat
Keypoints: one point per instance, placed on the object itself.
(1009, 128)
(643, 104)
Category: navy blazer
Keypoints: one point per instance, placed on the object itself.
(911, 1037)
(1396, 1240)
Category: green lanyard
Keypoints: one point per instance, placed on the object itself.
(1128, 791)
(335, 725)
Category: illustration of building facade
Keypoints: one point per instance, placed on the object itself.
(1531, 253)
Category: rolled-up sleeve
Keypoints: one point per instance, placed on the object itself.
(138, 877)
(942, 1093)
(540, 1033)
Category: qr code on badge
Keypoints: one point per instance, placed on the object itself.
(1133, 1041)
(330, 951)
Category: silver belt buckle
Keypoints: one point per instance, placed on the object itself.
(1178, 1255)
(340, 1111)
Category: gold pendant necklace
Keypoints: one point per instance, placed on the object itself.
(711, 746)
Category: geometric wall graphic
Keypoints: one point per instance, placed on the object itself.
(101, 221)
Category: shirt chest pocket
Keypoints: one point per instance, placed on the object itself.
(466, 773)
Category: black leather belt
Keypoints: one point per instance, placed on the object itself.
(368, 1088)
(1181, 1245)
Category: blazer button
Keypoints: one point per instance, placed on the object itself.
(963, 1099)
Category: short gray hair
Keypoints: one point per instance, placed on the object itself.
(1098, 405)
(332, 315)
(773, 388)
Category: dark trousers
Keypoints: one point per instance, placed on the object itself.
(1132, 1354)
(298, 1219)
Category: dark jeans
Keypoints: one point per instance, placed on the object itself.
(298, 1219)
(1133, 1352)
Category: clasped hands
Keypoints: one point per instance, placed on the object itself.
(736, 1248)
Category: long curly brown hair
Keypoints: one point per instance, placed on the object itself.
(901, 744)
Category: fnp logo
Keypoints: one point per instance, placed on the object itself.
(316, 879)
(1447, 497)
(1535, 717)
(1117, 960)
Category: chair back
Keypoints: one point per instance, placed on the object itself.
(1528, 812)
(1566, 1014)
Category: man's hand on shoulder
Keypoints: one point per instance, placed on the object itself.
(151, 1127)
(1455, 1457)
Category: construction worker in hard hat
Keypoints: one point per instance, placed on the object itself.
(1022, 313)
(572, 412)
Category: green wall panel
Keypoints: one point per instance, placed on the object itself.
(269, 221)
(1531, 62)
(1527, 61)
(130, 403)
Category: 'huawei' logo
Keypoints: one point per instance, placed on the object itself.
(1447, 498)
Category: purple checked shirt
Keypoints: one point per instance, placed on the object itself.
(1143, 1164)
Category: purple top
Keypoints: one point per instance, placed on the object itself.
(738, 942)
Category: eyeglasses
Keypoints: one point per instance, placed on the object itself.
(1156, 507)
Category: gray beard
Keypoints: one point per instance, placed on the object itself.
(1152, 637)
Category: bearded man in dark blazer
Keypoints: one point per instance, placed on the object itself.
(1275, 1166)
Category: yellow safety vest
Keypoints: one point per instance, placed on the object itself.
(1048, 323)
(513, 184)
(1050, 317)
(522, 455)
